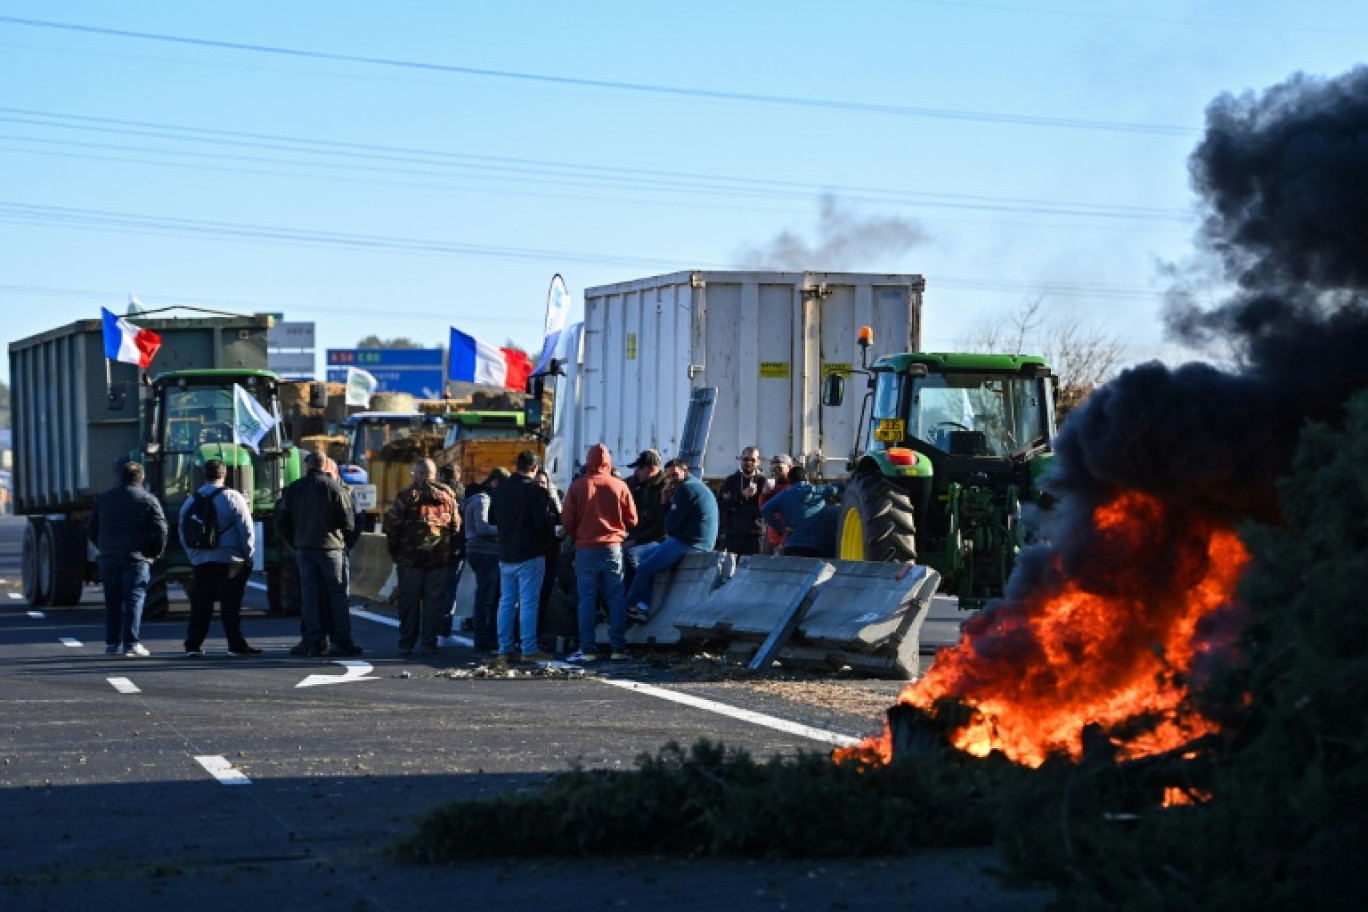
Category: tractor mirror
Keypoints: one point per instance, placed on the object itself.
(318, 394)
(833, 389)
(536, 385)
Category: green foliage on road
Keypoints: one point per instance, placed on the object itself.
(712, 801)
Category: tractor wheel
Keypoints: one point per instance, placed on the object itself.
(876, 522)
(158, 602)
(32, 569)
(63, 559)
(282, 585)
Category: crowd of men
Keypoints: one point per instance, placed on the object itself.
(512, 529)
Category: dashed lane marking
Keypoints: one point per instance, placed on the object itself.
(14, 595)
(223, 771)
(124, 686)
(37, 615)
(71, 642)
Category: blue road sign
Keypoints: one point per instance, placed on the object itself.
(420, 372)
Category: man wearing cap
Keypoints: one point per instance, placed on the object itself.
(647, 485)
(739, 503)
(690, 525)
(777, 482)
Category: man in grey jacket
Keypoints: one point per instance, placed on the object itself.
(316, 520)
(221, 572)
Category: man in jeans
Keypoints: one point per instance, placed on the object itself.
(482, 553)
(598, 512)
(521, 509)
(690, 525)
(129, 528)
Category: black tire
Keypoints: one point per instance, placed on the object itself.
(63, 560)
(876, 522)
(158, 602)
(34, 593)
(283, 592)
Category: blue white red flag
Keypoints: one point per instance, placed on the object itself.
(473, 361)
(127, 343)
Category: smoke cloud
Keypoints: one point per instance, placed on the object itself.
(845, 242)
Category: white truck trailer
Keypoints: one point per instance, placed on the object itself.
(763, 340)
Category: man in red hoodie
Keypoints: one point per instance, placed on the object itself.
(597, 513)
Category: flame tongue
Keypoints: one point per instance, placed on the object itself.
(1107, 648)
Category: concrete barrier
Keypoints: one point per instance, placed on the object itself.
(372, 571)
(754, 601)
(674, 591)
(864, 617)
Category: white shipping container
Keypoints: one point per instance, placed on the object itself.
(763, 339)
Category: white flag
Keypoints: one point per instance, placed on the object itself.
(557, 308)
(251, 421)
(360, 386)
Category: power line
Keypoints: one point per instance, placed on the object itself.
(632, 87)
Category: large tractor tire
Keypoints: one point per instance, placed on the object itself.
(61, 561)
(34, 593)
(876, 522)
(158, 602)
(283, 592)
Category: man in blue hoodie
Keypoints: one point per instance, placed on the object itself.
(690, 525)
(801, 515)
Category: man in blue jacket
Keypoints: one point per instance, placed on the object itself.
(129, 528)
(690, 525)
(800, 514)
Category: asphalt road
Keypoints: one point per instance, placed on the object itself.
(220, 782)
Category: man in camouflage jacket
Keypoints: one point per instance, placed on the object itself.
(419, 527)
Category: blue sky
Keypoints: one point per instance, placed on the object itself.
(398, 168)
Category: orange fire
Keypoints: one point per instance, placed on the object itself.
(1105, 646)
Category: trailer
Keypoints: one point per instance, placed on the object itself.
(764, 340)
(76, 416)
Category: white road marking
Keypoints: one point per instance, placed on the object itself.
(223, 771)
(70, 641)
(745, 715)
(355, 671)
(14, 595)
(37, 615)
(124, 686)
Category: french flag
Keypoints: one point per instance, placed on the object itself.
(473, 361)
(127, 343)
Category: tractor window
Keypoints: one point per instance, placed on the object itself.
(200, 415)
(978, 414)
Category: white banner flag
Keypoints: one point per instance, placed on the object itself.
(557, 309)
(360, 386)
(251, 421)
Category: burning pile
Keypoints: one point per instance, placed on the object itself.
(1133, 604)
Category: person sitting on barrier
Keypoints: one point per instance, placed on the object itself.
(598, 512)
(776, 484)
(690, 525)
(316, 519)
(802, 516)
(647, 485)
(482, 553)
(418, 529)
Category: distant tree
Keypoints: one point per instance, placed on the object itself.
(4, 404)
(377, 342)
(1083, 356)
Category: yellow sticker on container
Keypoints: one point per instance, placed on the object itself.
(890, 430)
(775, 369)
(834, 367)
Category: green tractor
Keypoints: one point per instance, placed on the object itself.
(953, 445)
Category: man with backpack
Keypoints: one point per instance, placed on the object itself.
(215, 526)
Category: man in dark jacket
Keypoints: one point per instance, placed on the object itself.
(739, 503)
(316, 520)
(647, 484)
(690, 525)
(419, 527)
(129, 528)
(521, 509)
